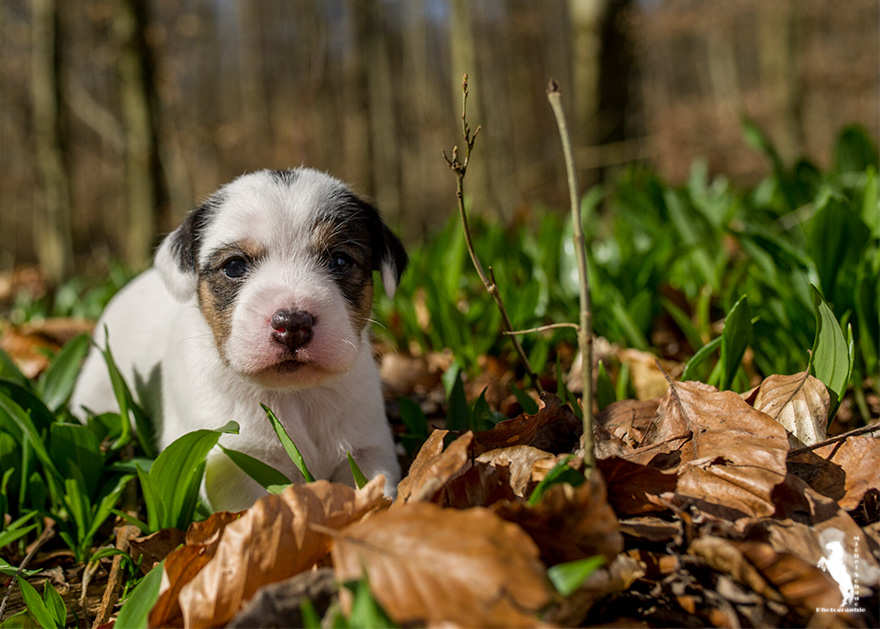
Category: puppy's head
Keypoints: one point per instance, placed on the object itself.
(281, 265)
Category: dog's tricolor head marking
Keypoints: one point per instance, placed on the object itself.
(281, 263)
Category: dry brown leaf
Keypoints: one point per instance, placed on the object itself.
(629, 419)
(798, 402)
(569, 523)
(428, 565)
(630, 484)
(552, 429)
(844, 471)
(649, 380)
(480, 485)
(183, 564)
(519, 460)
(155, 547)
(280, 536)
(724, 556)
(434, 467)
(736, 455)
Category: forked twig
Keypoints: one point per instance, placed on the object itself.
(459, 166)
(47, 534)
(585, 326)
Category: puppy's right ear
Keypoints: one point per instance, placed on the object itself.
(177, 256)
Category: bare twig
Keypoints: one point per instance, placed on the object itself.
(543, 328)
(585, 327)
(47, 534)
(864, 430)
(459, 167)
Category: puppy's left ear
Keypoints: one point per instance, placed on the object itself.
(391, 259)
(177, 256)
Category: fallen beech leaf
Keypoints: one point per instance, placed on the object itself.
(734, 456)
(183, 564)
(433, 467)
(799, 403)
(843, 471)
(648, 380)
(630, 484)
(155, 547)
(428, 565)
(569, 523)
(538, 430)
(519, 460)
(480, 485)
(629, 419)
(275, 539)
(724, 556)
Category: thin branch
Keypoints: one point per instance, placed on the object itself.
(544, 328)
(843, 437)
(47, 534)
(585, 327)
(459, 167)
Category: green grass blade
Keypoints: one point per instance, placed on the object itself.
(177, 472)
(699, 358)
(35, 605)
(735, 338)
(54, 603)
(56, 383)
(261, 472)
(568, 577)
(359, 479)
(562, 473)
(154, 502)
(136, 608)
(605, 393)
(289, 445)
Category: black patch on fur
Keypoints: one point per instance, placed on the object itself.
(188, 237)
(287, 177)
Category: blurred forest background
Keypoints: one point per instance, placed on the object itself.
(117, 116)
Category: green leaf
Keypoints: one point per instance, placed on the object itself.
(289, 445)
(562, 473)
(605, 393)
(831, 359)
(261, 472)
(366, 612)
(458, 413)
(855, 151)
(735, 338)
(154, 501)
(699, 358)
(35, 604)
(568, 577)
(9, 410)
(9, 370)
(10, 533)
(529, 405)
(136, 608)
(39, 413)
(359, 479)
(76, 446)
(56, 383)
(105, 506)
(54, 603)
(309, 615)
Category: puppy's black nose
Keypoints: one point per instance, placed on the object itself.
(292, 329)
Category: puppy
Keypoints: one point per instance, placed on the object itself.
(262, 295)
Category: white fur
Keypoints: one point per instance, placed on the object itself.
(168, 354)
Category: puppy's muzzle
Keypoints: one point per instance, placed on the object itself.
(293, 329)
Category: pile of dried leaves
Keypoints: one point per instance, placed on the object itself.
(709, 508)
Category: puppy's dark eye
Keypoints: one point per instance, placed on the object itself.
(235, 268)
(340, 263)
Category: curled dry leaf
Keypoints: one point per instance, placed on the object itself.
(843, 471)
(630, 484)
(428, 565)
(434, 467)
(734, 455)
(798, 402)
(724, 556)
(519, 461)
(629, 419)
(553, 428)
(183, 564)
(569, 523)
(280, 536)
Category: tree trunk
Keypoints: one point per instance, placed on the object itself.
(144, 188)
(52, 230)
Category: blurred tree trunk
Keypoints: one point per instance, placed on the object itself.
(52, 230)
(255, 115)
(463, 52)
(145, 190)
(381, 106)
(586, 61)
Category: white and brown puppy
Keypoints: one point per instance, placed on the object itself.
(262, 295)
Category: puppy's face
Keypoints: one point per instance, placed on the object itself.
(281, 264)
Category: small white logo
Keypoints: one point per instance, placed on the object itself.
(834, 563)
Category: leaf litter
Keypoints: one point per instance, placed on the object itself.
(706, 507)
